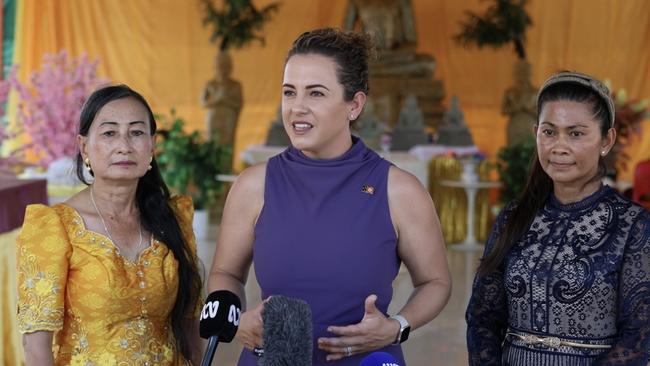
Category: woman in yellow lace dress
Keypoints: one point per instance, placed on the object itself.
(110, 277)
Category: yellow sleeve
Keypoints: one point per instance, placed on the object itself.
(42, 254)
(184, 211)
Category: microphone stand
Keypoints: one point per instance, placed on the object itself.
(213, 342)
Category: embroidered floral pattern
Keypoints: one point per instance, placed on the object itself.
(72, 278)
(40, 306)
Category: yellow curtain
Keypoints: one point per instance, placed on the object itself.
(161, 49)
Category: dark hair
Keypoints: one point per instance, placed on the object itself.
(539, 185)
(156, 215)
(351, 52)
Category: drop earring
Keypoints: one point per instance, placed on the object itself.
(87, 165)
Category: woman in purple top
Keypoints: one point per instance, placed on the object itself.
(328, 221)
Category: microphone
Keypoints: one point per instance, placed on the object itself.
(287, 333)
(379, 359)
(219, 321)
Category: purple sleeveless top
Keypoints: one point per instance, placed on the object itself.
(325, 236)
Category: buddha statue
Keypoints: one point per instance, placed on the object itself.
(399, 70)
(453, 131)
(520, 105)
(409, 130)
(222, 96)
(368, 127)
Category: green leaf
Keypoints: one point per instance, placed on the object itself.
(513, 166)
(504, 22)
(189, 164)
(237, 23)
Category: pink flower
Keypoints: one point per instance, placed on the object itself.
(50, 104)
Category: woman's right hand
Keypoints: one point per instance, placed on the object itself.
(251, 327)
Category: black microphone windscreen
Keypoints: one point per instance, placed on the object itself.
(379, 359)
(220, 316)
(287, 332)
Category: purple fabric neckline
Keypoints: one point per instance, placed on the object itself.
(357, 153)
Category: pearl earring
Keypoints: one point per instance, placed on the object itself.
(603, 153)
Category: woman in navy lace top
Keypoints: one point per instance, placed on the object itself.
(565, 278)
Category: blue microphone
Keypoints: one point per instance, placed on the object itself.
(219, 321)
(379, 359)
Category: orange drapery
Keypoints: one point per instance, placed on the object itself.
(160, 48)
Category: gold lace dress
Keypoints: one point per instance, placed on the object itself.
(104, 309)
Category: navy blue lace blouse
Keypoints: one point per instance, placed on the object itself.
(582, 274)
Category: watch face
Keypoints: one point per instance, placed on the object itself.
(405, 334)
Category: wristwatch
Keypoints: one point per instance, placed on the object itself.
(404, 329)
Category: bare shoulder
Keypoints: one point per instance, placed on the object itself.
(247, 192)
(250, 181)
(403, 185)
(408, 201)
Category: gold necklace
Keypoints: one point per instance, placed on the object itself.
(137, 249)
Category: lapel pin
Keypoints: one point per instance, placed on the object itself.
(368, 189)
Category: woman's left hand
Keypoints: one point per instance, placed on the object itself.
(373, 332)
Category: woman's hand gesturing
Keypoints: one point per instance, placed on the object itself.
(373, 332)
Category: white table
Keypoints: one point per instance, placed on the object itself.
(471, 188)
(227, 178)
(428, 152)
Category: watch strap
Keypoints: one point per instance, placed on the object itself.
(403, 325)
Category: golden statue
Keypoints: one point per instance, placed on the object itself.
(389, 21)
(520, 104)
(223, 98)
(399, 70)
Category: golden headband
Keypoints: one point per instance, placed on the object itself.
(585, 80)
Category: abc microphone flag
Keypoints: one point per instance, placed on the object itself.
(379, 359)
(219, 321)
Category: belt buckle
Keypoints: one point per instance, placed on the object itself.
(553, 342)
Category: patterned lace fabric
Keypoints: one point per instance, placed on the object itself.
(104, 309)
(582, 274)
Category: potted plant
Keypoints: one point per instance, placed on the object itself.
(629, 114)
(234, 25)
(505, 22)
(189, 165)
(237, 23)
(513, 166)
